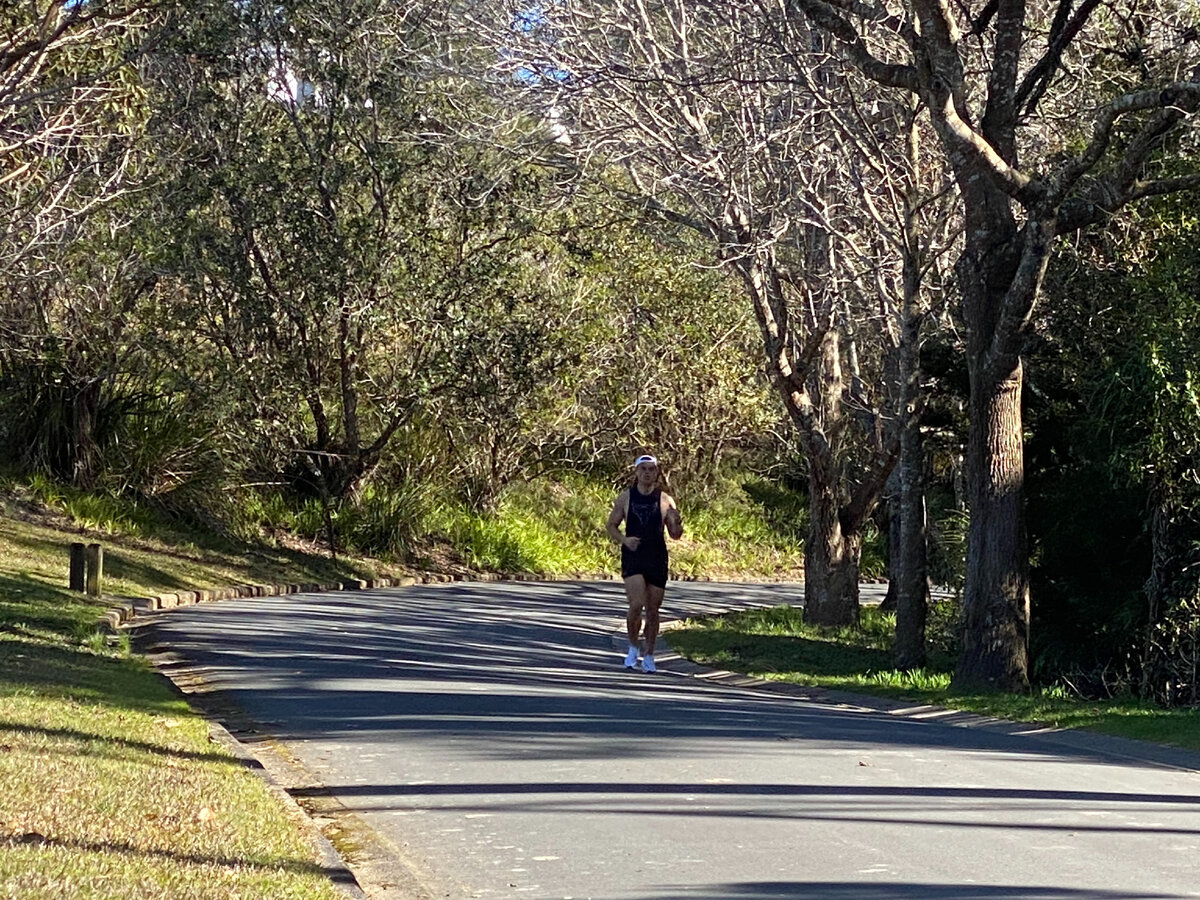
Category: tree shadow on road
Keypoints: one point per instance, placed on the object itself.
(825, 890)
(513, 670)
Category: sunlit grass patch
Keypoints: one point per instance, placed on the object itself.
(540, 528)
(556, 527)
(111, 787)
(109, 783)
(111, 795)
(740, 533)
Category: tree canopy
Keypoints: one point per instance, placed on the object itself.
(326, 249)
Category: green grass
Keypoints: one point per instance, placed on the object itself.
(776, 644)
(109, 783)
(542, 527)
(557, 528)
(747, 530)
(111, 788)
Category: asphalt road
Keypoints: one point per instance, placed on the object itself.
(490, 734)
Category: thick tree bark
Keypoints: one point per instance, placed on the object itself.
(831, 558)
(1001, 271)
(834, 546)
(810, 385)
(910, 565)
(995, 626)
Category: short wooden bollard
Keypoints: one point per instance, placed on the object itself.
(78, 567)
(95, 569)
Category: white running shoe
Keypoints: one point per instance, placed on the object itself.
(631, 657)
(648, 663)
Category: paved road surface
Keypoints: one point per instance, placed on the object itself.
(490, 731)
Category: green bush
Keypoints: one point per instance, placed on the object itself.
(383, 521)
(543, 526)
(96, 510)
(785, 511)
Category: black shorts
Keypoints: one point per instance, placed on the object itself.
(651, 566)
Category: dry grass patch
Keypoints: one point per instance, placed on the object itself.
(110, 786)
(112, 793)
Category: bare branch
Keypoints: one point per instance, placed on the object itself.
(985, 157)
(1171, 105)
(1062, 32)
(825, 16)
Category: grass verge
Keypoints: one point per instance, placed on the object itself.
(775, 644)
(110, 786)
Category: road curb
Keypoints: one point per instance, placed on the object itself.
(333, 865)
(125, 610)
(365, 866)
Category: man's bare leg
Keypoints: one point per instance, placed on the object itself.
(635, 593)
(654, 599)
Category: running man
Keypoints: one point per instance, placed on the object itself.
(645, 509)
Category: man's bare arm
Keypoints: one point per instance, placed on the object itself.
(671, 517)
(613, 526)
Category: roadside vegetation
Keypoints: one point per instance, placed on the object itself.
(111, 785)
(555, 527)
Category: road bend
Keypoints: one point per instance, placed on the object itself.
(490, 731)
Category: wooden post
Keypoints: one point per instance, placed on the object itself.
(95, 568)
(75, 580)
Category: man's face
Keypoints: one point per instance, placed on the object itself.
(647, 473)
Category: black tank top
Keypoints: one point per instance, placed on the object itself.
(644, 520)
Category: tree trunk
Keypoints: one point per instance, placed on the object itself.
(1171, 655)
(1155, 683)
(888, 522)
(995, 626)
(85, 455)
(909, 567)
(831, 557)
(812, 396)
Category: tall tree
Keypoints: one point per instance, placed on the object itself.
(71, 164)
(66, 78)
(995, 79)
(721, 124)
(674, 365)
(330, 231)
